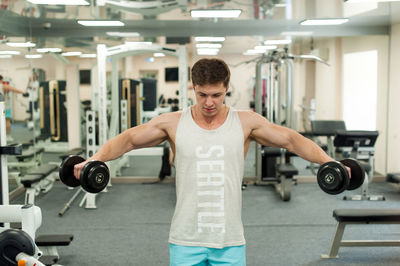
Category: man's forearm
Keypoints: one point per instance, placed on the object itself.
(112, 149)
(309, 150)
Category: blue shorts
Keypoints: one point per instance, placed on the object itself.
(202, 256)
(8, 113)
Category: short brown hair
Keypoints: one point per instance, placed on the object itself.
(210, 71)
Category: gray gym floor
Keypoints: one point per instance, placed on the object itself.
(131, 224)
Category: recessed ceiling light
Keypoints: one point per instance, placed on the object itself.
(10, 52)
(21, 44)
(208, 45)
(88, 55)
(101, 23)
(277, 42)
(330, 21)
(209, 51)
(138, 43)
(60, 2)
(48, 50)
(213, 13)
(71, 54)
(158, 54)
(209, 39)
(33, 56)
(122, 34)
(296, 33)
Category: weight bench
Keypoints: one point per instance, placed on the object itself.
(283, 171)
(76, 151)
(393, 178)
(362, 216)
(38, 180)
(28, 159)
(48, 245)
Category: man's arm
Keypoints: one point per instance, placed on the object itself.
(146, 135)
(7, 88)
(269, 134)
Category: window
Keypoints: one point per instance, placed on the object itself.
(360, 83)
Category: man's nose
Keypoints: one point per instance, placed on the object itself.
(209, 101)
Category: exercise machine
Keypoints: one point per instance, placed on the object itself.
(22, 245)
(359, 145)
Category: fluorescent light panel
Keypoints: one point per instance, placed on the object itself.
(277, 42)
(101, 23)
(122, 34)
(10, 52)
(33, 56)
(21, 44)
(211, 50)
(48, 50)
(88, 55)
(330, 21)
(3, 56)
(71, 54)
(209, 39)
(138, 43)
(208, 45)
(296, 33)
(60, 2)
(212, 13)
(158, 54)
(206, 53)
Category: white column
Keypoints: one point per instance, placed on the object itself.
(183, 77)
(73, 106)
(101, 68)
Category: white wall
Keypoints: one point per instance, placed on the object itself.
(393, 134)
(328, 81)
(379, 43)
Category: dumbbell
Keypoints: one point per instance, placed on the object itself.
(94, 176)
(333, 177)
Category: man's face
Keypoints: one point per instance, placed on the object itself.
(210, 98)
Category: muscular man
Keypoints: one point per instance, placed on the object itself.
(210, 141)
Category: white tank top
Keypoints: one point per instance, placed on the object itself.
(209, 172)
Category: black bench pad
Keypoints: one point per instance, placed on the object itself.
(28, 180)
(393, 177)
(44, 169)
(29, 154)
(287, 169)
(367, 215)
(75, 151)
(53, 240)
(273, 152)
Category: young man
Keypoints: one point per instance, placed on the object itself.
(5, 88)
(210, 141)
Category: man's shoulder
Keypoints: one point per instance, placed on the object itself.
(171, 117)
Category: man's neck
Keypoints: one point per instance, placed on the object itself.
(218, 118)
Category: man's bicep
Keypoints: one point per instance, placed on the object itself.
(147, 135)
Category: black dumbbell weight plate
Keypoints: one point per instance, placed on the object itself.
(67, 170)
(94, 176)
(332, 177)
(357, 173)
